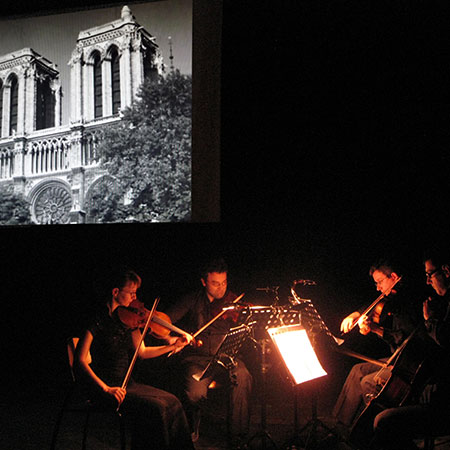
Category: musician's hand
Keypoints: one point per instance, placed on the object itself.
(171, 340)
(348, 322)
(117, 392)
(189, 338)
(427, 310)
(180, 343)
(365, 325)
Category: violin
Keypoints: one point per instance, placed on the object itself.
(377, 311)
(376, 307)
(136, 314)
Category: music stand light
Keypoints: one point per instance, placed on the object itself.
(296, 350)
(299, 357)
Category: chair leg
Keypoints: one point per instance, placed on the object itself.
(85, 430)
(56, 429)
(123, 442)
(428, 443)
(59, 420)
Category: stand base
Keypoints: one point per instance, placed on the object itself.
(307, 438)
(262, 436)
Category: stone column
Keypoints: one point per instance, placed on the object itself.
(57, 92)
(77, 215)
(125, 74)
(107, 86)
(76, 143)
(137, 66)
(76, 85)
(22, 104)
(6, 109)
(30, 83)
(19, 155)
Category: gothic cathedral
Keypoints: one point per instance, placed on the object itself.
(55, 166)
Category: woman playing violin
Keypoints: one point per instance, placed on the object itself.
(102, 360)
(393, 319)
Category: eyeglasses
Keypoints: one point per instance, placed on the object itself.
(430, 275)
(378, 282)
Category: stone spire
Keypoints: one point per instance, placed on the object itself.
(126, 13)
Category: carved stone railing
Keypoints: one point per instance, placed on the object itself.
(52, 151)
(48, 155)
(6, 161)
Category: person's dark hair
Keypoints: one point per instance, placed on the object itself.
(437, 256)
(213, 265)
(385, 266)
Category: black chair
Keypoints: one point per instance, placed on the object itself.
(75, 402)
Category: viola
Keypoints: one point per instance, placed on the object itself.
(136, 314)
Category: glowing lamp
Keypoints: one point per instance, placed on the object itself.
(297, 352)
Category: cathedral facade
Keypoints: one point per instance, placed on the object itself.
(55, 166)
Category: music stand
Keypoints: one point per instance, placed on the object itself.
(224, 356)
(266, 317)
(315, 327)
(229, 347)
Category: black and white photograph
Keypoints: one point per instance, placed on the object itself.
(260, 263)
(76, 145)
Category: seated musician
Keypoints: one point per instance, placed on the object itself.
(192, 313)
(429, 415)
(398, 318)
(102, 360)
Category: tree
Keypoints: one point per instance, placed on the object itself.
(14, 208)
(149, 154)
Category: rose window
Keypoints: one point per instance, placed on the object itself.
(53, 205)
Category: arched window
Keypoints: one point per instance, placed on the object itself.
(150, 70)
(115, 81)
(45, 105)
(98, 96)
(14, 105)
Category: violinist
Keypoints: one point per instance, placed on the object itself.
(102, 360)
(429, 415)
(393, 323)
(191, 313)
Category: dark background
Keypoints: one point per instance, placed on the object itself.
(330, 150)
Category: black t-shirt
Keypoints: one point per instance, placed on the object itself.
(111, 348)
(195, 310)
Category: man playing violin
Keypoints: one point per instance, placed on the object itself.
(429, 414)
(102, 361)
(192, 313)
(396, 320)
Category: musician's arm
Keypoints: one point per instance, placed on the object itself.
(439, 329)
(348, 321)
(146, 352)
(84, 372)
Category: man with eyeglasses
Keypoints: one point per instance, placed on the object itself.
(429, 415)
(396, 320)
(191, 313)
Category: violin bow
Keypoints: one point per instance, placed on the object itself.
(375, 302)
(133, 361)
(203, 328)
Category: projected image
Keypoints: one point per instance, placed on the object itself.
(96, 115)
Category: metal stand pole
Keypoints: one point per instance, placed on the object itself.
(263, 434)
